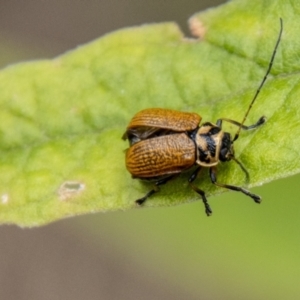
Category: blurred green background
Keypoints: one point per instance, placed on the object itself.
(244, 251)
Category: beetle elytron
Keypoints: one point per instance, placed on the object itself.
(164, 143)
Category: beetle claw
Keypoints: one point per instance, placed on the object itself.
(139, 202)
(256, 198)
(208, 210)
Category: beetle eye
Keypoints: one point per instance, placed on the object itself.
(223, 154)
(225, 147)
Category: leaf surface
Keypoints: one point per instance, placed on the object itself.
(62, 120)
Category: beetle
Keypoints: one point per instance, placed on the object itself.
(164, 143)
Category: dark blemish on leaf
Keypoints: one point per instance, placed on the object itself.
(197, 28)
(70, 189)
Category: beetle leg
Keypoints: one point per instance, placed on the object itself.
(260, 122)
(213, 177)
(195, 174)
(208, 210)
(154, 190)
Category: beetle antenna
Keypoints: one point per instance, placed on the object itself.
(262, 83)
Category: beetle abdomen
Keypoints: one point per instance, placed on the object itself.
(165, 119)
(164, 155)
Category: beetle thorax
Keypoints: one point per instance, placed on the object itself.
(213, 145)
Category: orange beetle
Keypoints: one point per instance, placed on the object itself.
(165, 142)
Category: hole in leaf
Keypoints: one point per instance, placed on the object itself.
(70, 189)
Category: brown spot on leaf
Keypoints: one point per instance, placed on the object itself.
(197, 28)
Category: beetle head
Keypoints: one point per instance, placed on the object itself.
(213, 145)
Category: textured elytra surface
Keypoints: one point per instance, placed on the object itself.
(163, 155)
(165, 118)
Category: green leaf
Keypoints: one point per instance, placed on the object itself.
(62, 119)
